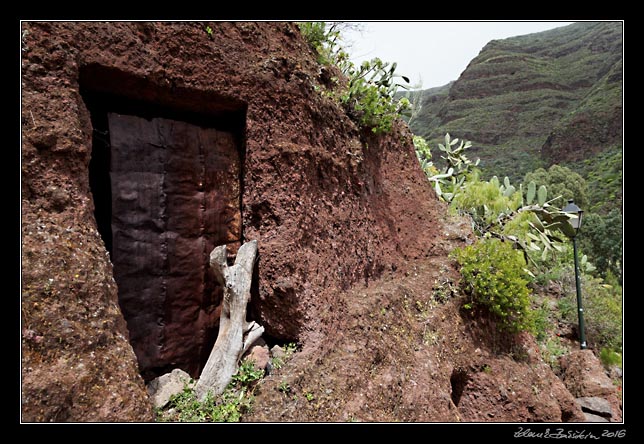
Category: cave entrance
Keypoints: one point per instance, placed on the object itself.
(167, 190)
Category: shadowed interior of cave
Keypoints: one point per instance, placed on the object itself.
(167, 186)
(458, 380)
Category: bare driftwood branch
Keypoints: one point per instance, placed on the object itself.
(236, 335)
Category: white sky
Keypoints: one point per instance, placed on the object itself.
(432, 52)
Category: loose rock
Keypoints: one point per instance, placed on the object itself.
(260, 356)
(162, 388)
(584, 375)
(594, 418)
(595, 406)
(278, 352)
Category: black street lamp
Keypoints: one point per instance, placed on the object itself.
(575, 222)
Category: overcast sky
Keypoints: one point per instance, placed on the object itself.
(432, 52)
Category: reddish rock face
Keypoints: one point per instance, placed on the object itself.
(329, 205)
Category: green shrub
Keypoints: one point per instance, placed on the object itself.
(494, 275)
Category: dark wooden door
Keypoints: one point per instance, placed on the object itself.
(175, 196)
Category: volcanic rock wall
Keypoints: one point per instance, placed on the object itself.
(329, 205)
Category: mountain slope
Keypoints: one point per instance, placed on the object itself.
(538, 99)
(430, 103)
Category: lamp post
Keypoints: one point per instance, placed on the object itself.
(575, 221)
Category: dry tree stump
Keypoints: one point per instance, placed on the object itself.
(236, 335)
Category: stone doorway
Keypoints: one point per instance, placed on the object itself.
(167, 190)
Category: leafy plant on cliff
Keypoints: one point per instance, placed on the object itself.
(448, 183)
(369, 94)
(323, 37)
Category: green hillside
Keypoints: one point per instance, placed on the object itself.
(539, 99)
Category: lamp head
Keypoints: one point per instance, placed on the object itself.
(574, 210)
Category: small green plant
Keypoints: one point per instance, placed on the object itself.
(289, 349)
(185, 407)
(551, 350)
(541, 322)
(430, 337)
(610, 357)
(443, 290)
(247, 374)
(284, 387)
(309, 396)
(277, 362)
(494, 276)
